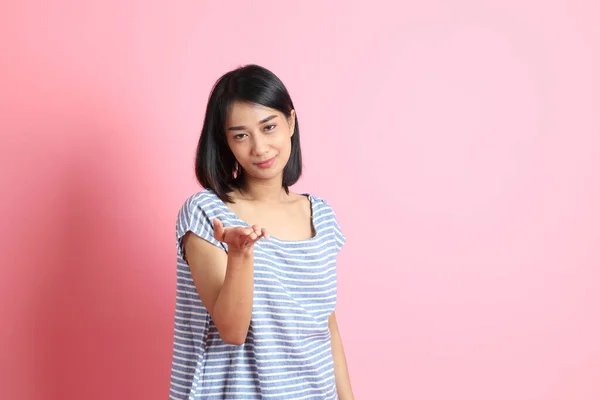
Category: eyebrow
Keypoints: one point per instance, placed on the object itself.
(262, 121)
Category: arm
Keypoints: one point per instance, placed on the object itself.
(342, 378)
(225, 282)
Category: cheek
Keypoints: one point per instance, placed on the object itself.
(283, 141)
(237, 148)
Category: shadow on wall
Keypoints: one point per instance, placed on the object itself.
(100, 331)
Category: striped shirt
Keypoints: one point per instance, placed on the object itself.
(287, 353)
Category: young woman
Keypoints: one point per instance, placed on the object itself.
(256, 268)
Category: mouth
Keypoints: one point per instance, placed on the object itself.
(266, 163)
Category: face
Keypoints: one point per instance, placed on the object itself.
(259, 138)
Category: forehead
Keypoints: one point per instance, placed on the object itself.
(241, 113)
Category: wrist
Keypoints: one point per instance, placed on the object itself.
(240, 255)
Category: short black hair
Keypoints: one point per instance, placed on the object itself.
(216, 167)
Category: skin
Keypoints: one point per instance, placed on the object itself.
(225, 282)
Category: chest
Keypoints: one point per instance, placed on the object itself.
(288, 278)
(288, 222)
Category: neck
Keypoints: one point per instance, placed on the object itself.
(263, 191)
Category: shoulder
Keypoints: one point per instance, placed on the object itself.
(323, 210)
(319, 203)
(202, 204)
(325, 216)
(196, 215)
(203, 199)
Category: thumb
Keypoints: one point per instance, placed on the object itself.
(218, 234)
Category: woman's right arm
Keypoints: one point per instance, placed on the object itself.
(225, 281)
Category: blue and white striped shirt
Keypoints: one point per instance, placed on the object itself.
(287, 353)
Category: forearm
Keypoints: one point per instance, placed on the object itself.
(233, 307)
(340, 366)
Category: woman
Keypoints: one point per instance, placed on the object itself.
(256, 270)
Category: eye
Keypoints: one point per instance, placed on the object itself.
(239, 136)
(270, 127)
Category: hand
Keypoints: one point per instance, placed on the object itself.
(239, 238)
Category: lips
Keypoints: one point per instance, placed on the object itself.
(266, 163)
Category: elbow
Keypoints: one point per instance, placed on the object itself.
(233, 338)
(232, 329)
(234, 335)
(234, 342)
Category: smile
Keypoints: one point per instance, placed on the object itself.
(266, 164)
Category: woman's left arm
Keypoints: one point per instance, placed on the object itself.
(342, 377)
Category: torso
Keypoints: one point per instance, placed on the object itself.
(288, 220)
(287, 353)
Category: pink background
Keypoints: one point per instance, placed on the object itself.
(459, 142)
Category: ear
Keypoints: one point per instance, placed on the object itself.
(292, 122)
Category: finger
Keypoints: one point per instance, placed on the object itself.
(218, 234)
(256, 229)
(224, 234)
(242, 235)
(264, 233)
(246, 241)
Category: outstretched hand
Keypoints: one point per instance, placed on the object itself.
(239, 237)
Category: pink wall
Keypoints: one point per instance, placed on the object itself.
(468, 142)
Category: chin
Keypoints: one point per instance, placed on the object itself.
(269, 175)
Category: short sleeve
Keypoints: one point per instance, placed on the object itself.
(192, 217)
(340, 238)
(338, 233)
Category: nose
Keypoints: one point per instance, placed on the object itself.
(260, 146)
